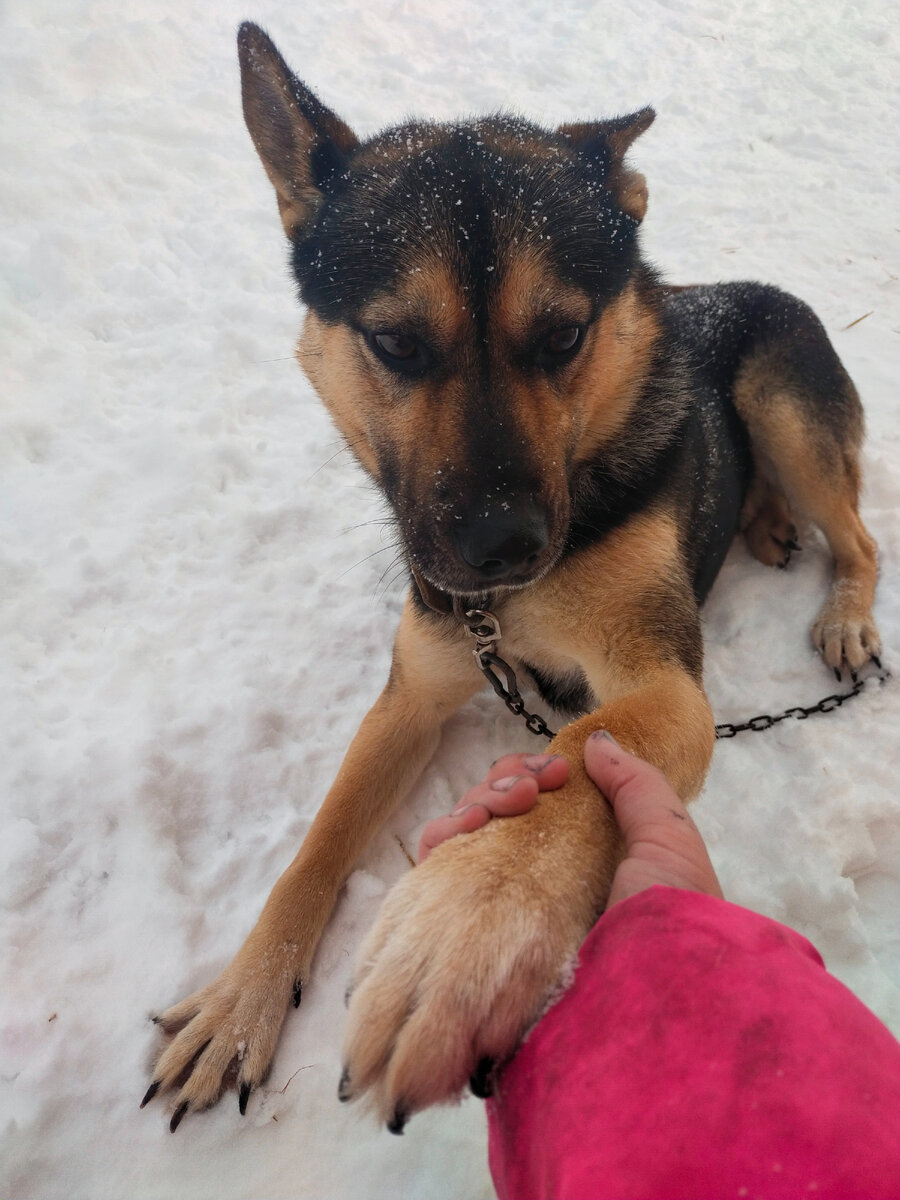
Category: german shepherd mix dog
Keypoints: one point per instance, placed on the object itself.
(564, 440)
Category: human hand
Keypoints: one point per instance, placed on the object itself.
(663, 845)
(510, 787)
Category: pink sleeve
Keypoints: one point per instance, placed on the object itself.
(702, 1053)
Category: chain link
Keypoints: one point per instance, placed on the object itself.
(828, 704)
(484, 627)
(502, 679)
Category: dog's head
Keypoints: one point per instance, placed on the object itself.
(479, 321)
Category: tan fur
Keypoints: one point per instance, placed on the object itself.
(331, 357)
(529, 291)
(615, 365)
(767, 524)
(427, 296)
(361, 399)
(802, 469)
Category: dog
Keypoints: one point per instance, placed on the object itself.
(568, 443)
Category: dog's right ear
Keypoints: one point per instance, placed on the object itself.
(300, 141)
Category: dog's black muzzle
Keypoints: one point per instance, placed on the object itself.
(504, 542)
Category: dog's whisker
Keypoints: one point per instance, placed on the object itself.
(359, 563)
(399, 568)
(384, 522)
(348, 447)
(330, 459)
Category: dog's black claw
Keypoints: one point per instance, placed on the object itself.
(877, 661)
(837, 675)
(790, 544)
(243, 1098)
(151, 1092)
(398, 1121)
(481, 1084)
(782, 565)
(344, 1086)
(854, 676)
(298, 993)
(177, 1115)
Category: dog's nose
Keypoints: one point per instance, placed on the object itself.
(499, 542)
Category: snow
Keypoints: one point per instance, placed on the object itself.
(198, 598)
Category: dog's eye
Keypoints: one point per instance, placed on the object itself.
(397, 345)
(562, 341)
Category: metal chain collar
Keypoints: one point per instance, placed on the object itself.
(484, 627)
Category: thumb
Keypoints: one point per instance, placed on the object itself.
(639, 793)
(663, 845)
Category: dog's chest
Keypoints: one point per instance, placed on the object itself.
(569, 694)
(557, 676)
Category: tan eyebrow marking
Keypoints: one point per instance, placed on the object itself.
(531, 296)
(427, 300)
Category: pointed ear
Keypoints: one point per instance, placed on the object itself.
(607, 142)
(300, 141)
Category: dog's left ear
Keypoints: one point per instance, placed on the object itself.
(606, 142)
(300, 141)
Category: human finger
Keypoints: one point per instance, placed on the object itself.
(499, 795)
(442, 828)
(550, 770)
(506, 797)
(663, 845)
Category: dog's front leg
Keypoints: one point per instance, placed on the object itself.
(471, 945)
(228, 1031)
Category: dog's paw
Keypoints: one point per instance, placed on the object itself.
(225, 1035)
(771, 534)
(467, 950)
(845, 637)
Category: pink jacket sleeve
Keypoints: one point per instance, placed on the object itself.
(702, 1053)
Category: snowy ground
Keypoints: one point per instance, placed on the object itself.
(193, 617)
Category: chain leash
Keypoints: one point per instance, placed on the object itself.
(484, 627)
(797, 712)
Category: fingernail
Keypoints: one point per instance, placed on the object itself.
(537, 762)
(601, 735)
(461, 808)
(504, 785)
(298, 993)
(151, 1092)
(243, 1098)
